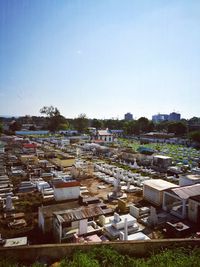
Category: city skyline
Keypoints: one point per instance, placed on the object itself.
(101, 58)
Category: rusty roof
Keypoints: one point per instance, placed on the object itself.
(79, 213)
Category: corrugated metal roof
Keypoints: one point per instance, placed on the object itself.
(79, 214)
(187, 191)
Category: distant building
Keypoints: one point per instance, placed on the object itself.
(128, 117)
(160, 117)
(29, 148)
(165, 117)
(103, 136)
(174, 116)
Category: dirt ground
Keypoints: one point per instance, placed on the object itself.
(92, 186)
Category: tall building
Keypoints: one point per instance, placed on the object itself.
(160, 117)
(165, 117)
(174, 116)
(128, 117)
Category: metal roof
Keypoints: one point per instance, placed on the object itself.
(79, 213)
(187, 191)
(159, 184)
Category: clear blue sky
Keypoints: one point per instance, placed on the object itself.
(100, 57)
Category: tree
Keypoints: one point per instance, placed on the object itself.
(178, 128)
(1, 128)
(15, 126)
(54, 117)
(161, 126)
(64, 126)
(195, 136)
(96, 124)
(50, 111)
(81, 123)
(143, 124)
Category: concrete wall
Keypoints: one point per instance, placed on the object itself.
(54, 252)
(66, 193)
(152, 195)
(193, 210)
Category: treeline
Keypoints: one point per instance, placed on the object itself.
(52, 120)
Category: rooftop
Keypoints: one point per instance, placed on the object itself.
(186, 191)
(65, 182)
(49, 210)
(194, 177)
(159, 184)
(79, 213)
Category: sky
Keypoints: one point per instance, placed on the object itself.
(103, 58)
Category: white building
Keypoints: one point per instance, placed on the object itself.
(153, 190)
(45, 214)
(105, 136)
(175, 200)
(77, 221)
(66, 188)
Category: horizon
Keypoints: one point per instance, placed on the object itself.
(90, 118)
(102, 58)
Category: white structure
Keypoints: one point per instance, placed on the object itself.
(63, 143)
(175, 200)
(9, 204)
(162, 161)
(194, 209)
(189, 179)
(76, 221)
(139, 212)
(153, 217)
(41, 185)
(2, 148)
(105, 135)
(119, 223)
(135, 166)
(66, 188)
(16, 242)
(153, 190)
(137, 236)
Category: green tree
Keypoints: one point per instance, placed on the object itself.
(161, 126)
(143, 124)
(96, 123)
(1, 128)
(131, 127)
(64, 126)
(54, 117)
(178, 128)
(81, 123)
(195, 136)
(15, 126)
